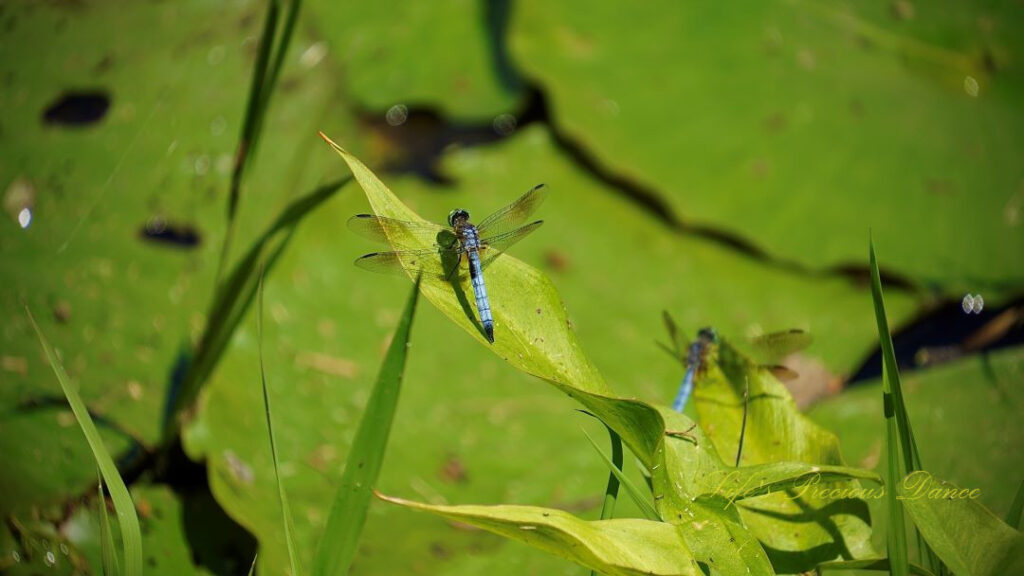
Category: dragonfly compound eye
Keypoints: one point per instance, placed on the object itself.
(457, 214)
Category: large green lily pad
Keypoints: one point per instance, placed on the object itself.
(796, 126)
(120, 308)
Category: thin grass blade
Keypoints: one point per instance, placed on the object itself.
(611, 492)
(897, 535)
(252, 567)
(282, 495)
(348, 514)
(235, 295)
(254, 109)
(110, 565)
(131, 538)
(634, 493)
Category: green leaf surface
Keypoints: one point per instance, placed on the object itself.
(829, 118)
(341, 536)
(615, 547)
(446, 55)
(128, 520)
(968, 537)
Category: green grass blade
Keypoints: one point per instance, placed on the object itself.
(282, 495)
(1013, 515)
(235, 295)
(897, 536)
(280, 51)
(252, 567)
(611, 491)
(131, 538)
(254, 109)
(348, 514)
(634, 493)
(110, 565)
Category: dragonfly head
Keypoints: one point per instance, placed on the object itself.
(708, 334)
(457, 215)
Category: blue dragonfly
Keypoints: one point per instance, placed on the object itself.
(459, 249)
(693, 356)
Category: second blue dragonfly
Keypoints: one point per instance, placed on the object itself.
(693, 356)
(460, 243)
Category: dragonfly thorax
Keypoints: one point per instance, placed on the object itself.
(458, 217)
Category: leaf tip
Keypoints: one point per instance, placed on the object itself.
(334, 145)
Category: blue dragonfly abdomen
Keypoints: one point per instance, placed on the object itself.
(471, 245)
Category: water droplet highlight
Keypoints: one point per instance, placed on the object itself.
(971, 86)
(397, 115)
(24, 218)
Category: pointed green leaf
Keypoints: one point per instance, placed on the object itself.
(340, 539)
(618, 547)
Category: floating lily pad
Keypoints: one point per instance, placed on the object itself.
(796, 126)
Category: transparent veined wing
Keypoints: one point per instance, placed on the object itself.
(678, 349)
(438, 263)
(496, 245)
(512, 216)
(401, 233)
(780, 344)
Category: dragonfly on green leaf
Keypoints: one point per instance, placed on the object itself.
(456, 250)
(693, 356)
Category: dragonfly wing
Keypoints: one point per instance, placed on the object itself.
(400, 233)
(437, 263)
(512, 216)
(673, 332)
(781, 344)
(495, 246)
